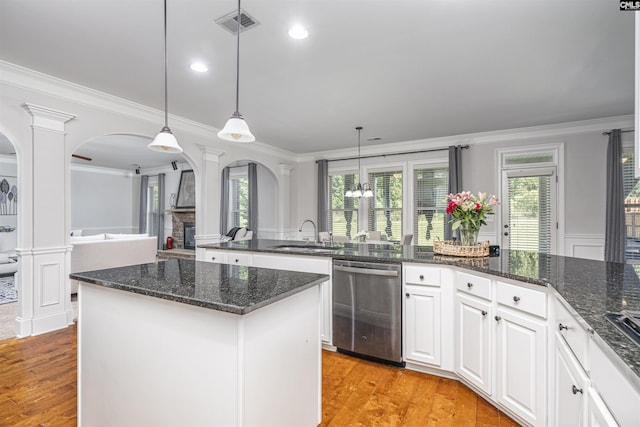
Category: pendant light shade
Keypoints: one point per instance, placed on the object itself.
(361, 190)
(165, 142)
(236, 129)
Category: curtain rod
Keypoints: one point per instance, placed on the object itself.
(396, 154)
(622, 131)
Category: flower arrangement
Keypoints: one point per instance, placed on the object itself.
(469, 212)
(362, 236)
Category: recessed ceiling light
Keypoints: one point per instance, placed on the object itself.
(199, 67)
(298, 32)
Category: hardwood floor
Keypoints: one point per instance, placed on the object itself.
(38, 388)
(38, 380)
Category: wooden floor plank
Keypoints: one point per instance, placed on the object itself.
(38, 388)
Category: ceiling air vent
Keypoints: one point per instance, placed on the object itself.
(229, 23)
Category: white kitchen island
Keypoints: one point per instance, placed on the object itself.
(186, 343)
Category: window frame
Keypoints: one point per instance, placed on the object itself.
(241, 172)
(365, 207)
(341, 171)
(435, 163)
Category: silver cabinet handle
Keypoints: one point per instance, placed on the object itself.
(576, 390)
(484, 313)
(469, 285)
(390, 273)
(516, 299)
(561, 327)
(498, 318)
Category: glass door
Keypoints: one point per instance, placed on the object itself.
(529, 218)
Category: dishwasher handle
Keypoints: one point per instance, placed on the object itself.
(370, 271)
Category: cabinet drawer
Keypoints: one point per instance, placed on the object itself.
(573, 333)
(419, 275)
(219, 257)
(524, 299)
(238, 258)
(474, 285)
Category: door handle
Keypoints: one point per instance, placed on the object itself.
(370, 271)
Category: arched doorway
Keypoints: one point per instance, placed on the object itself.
(9, 194)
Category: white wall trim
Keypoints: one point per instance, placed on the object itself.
(100, 169)
(589, 246)
(533, 132)
(31, 80)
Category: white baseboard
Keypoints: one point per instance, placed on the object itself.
(49, 323)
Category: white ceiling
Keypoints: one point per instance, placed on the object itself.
(405, 70)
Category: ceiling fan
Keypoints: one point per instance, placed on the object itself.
(78, 156)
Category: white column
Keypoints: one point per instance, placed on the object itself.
(208, 202)
(284, 199)
(45, 299)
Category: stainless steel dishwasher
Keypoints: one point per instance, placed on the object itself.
(367, 309)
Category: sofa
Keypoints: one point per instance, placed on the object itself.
(107, 250)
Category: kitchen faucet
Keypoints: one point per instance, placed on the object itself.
(315, 229)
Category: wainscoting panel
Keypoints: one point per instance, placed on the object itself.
(50, 284)
(589, 246)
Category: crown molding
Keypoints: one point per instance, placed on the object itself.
(544, 131)
(100, 170)
(31, 80)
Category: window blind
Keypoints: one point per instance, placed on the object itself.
(431, 187)
(343, 211)
(530, 212)
(385, 207)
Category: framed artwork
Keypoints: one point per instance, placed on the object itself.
(186, 190)
(8, 195)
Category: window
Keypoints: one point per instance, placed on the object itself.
(239, 200)
(343, 211)
(631, 205)
(152, 207)
(385, 207)
(431, 187)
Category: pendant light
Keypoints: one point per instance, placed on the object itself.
(362, 190)
(236, 129)
(165, 141)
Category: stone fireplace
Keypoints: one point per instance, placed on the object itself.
(183, 220)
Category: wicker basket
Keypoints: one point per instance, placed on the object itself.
(454, 248)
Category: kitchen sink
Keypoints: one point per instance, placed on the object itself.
(304, 248)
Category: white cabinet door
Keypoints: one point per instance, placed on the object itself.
(521, 365)
(598, 413)
(570, 382)
(423, 324)
(473, 352)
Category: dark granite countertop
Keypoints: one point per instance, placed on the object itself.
(231, 288)
(590, 288)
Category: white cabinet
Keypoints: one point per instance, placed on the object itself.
(423, 324)
(474, 351)
(598, 414)
(521, 364)
(218, 257)
(569, 387)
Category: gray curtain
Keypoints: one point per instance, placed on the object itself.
(323, 195)
(224, 201)
(455, 184)
(161, 207)
(614, 242)
(253, 199)
(142, 218)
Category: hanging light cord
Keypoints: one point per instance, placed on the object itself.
(359, 128)
(238, 64)
(166, 90)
